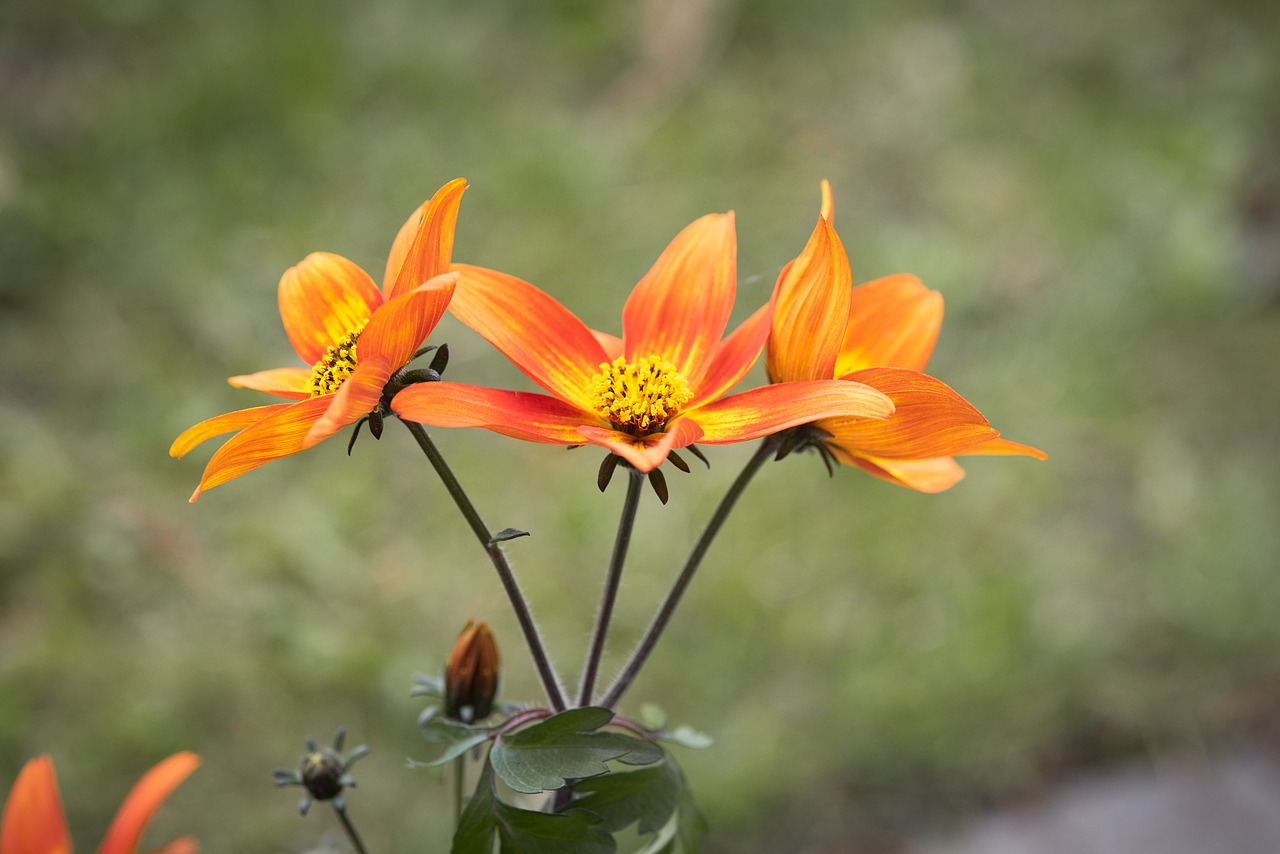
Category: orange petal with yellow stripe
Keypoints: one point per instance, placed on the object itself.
(323, 298)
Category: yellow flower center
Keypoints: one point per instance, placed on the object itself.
(637, 396)
(336, 364)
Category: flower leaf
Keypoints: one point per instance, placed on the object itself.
(524, 831)
(649, 796)
(507, 534)
(564, 747)
(456, 737)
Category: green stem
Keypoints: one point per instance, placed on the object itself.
(643, 649)
(341, 809)
(550, 680)
(459, 771)
(605, 613)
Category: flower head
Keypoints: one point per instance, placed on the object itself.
(353, 336)
(879, 334)
(471, 674)
(323, 772)
(33, 821)
(658, 388)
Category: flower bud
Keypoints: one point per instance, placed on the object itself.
(471, 674)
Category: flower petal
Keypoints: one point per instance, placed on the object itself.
(280, 434)
(893, 322)
(145, 798)
(182, 845)
(282, 382)
(226, 423)
(423, 247)
(612, 344)
(772, 408)
(646, 452)
(519, 414)
(398, 328)
(735, 356)
(357, 396)
(539, 335)
(929, 419)
(811, 310)
(1006, 447)
(681, 307)
(322, 299)
(932, 475)
(33, 821)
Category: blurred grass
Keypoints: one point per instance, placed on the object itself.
(1093, 187)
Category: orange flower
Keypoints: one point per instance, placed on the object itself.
(34, 823)
(880, 334)
(354, 337)
(659, 387)
(471, 674)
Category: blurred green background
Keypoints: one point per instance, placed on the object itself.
(1094, 187)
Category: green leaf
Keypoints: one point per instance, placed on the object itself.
(507, 534)
(477, 823)
(649, 796)
(686, 736)
(456, 737)
(693, 826)
(565, 747)
(524, 831)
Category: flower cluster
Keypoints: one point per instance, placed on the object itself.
(844, 363)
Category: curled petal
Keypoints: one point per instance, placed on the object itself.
(219, 424)
(322, 299)
(811, 310)
(404, 322)
(357, 396)
(539, 335)
(33, 821)
(145, 798)
(933, 475)
(647, 452)
(762, 411)
(681, 307)
(282, 382)
(929, 420)
(893, 322)
(278, 435)
(521, 415)
(424, 246)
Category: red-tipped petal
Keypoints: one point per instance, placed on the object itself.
(145, 798)
(539, 335)
(811, 310)
(930, 419)
(932, 475)
(735, 356)
(423, 248)
(893, 322)
(398, 329)
(680, 309)
(647, 452)
(33, 821)
(219, 424)
(358, 395)
(322, 298)
(278, 435)
(294, 383)
(773, 408)
(521, 415)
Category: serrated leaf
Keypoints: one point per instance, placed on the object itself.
(649, 796)
(565, 747)
(524, 831)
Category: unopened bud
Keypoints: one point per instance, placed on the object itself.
(471, 674)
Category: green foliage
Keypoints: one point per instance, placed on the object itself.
(525, 831)
(567, 746)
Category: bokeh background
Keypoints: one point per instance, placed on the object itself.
(1094, 187)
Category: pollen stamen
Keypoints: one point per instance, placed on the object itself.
(640, 396)
(337, 363)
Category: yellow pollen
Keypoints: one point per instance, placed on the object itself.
(336, 364)
(639, 396)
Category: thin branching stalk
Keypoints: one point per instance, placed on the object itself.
(546, 672)
(341, 809)
(643, 649)
(621, 543)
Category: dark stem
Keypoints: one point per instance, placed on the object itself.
(643, 649)
(547, 673)
(459, 771)
(605, 613)
(341, 809)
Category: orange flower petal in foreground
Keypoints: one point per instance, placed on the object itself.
(34, 823)
(881, 335)
(354, 336)
(659, 387)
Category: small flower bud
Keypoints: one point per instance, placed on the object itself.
(321, 774)
(471, 674)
